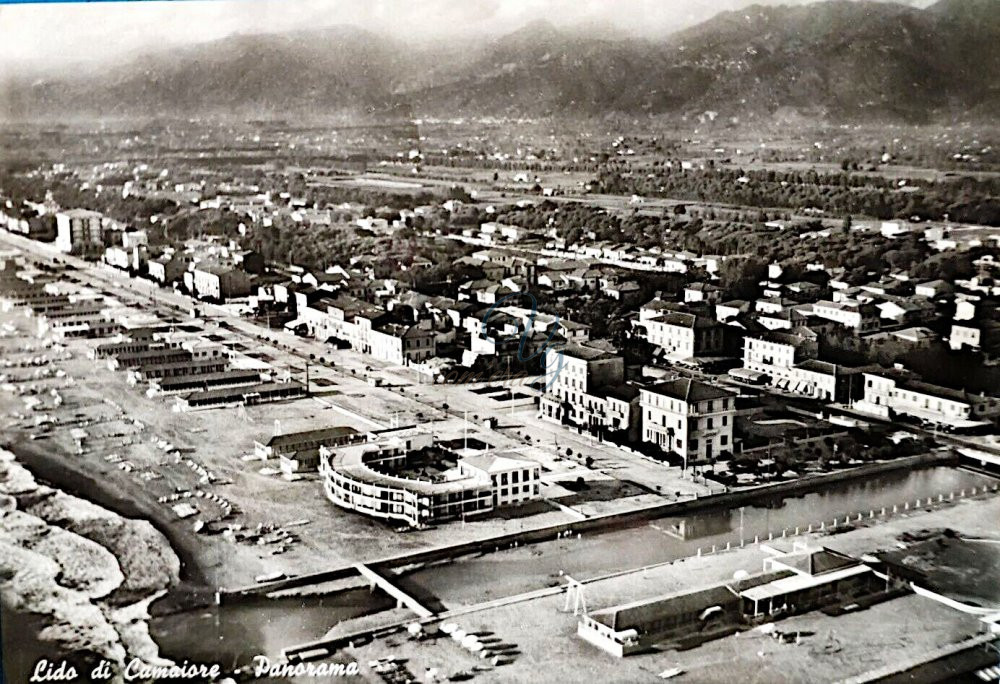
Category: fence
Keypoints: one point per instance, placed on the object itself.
(849, 520)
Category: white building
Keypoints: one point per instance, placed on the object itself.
(77, 229)
(514, 480)
(401, 344)
(689, 418)
(862, 318)
(886, 395)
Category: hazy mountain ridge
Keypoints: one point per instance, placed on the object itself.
(840, 59)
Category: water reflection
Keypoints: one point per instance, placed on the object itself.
(232, 634)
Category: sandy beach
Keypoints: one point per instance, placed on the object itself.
(84, 574)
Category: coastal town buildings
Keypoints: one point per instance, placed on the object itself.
(899, 394)
(688, 418)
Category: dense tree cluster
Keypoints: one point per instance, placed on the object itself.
(965, 199)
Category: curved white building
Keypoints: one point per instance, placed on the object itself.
(359, 478)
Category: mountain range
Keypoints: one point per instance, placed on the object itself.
(835, 60)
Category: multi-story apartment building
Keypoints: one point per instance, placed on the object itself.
(167, 269)
(402, 344)
(78, 230)
(689, 418)
(513, 480)
(220, 282)
(586, 387)
(685, 335)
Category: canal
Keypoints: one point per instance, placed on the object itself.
(232, 633)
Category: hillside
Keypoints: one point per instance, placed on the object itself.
(837, 59)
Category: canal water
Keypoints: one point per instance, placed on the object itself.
(232, 633)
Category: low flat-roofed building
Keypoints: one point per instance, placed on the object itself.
(156, 371)
(188, 384)
(791, 583)
(250, 395)
(84, 325)
(636, 626)
(140, 356)
(287, 443)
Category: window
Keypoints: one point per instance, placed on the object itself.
(725, 420)
(723, 440)
(708, 424)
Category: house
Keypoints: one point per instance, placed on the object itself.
(731, 309)
(702, 292)
(933, 289)
(965, 337)
(917, 337)
(623, 290)
(906, 311)
(688, 418)
(861, 318)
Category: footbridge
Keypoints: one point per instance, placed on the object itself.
(402, 598)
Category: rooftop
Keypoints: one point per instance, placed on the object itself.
(586, 353)
(689, 390)
(497, 463)
(332, 433)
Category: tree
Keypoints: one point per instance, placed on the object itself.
(741, 277)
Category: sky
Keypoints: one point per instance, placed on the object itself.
(62, 34)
